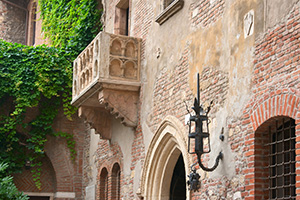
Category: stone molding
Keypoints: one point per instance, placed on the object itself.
(98, 119)
(121, 104)
(169, 11)
(168, 142)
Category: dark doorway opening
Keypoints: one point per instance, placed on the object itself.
(38, 198)
(178, 183)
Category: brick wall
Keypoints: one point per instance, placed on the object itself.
(69, 173)
(107, 156)
(59, 172)
(142, 20)
(205, 12)
(25, 183)
(275, 92)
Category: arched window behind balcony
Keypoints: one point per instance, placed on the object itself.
(122, 18)
(115, 182)
(104, 184)
(32, 23)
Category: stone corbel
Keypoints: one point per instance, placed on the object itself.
(98, 118)
(122, 104)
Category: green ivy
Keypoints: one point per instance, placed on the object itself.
(70, 24)
(37, 78)
(40, 78)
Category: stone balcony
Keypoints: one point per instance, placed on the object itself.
(106, 82)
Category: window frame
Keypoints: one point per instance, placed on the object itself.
(282, 161)
(169, 11)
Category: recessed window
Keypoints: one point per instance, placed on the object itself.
(104, 184)
(122, 18)
(32, 24)
(282, 176)
(115, 182)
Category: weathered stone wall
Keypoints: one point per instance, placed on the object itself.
(13, 21)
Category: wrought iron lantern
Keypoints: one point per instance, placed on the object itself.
(198, 133)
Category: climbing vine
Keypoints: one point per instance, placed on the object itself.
(35, 82)
(70, 24)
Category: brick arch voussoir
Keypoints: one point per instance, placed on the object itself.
(103, 165)
(114, 161)
(61, 162)
(278, 105)
(257, 112)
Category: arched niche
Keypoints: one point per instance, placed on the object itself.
(115, 68)
(95, 69)
(168, 143)
(130, 50)
(130, 70)
(24, 181)
(116, 47)
(76, 69)
(96, 47)
(75, 88)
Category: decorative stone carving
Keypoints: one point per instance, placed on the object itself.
(121, 104)
(123, 58)
(108, 57)
(106, 81)
(98, 119)
(249, 24)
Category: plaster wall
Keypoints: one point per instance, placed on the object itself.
(124, 136)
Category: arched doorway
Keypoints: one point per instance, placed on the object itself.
(167, 163)
(178, 183)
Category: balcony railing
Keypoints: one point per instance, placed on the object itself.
(107, 58)
(108, 68)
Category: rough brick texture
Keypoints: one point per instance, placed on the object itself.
(275, 92)
(59, 172)
(108, 155)
(205, 12)
(24, 181)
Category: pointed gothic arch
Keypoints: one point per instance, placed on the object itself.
(168, 143)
